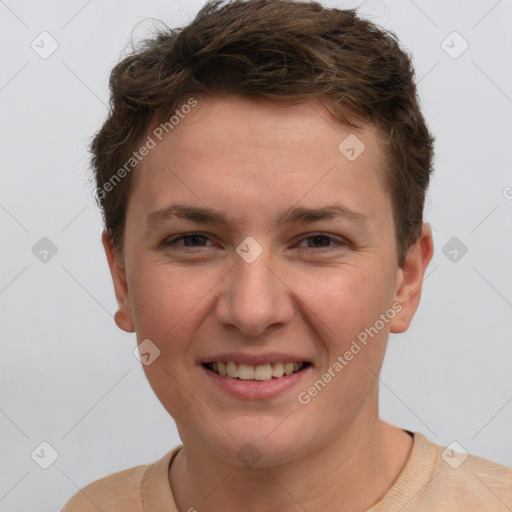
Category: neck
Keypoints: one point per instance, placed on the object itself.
(352, 473)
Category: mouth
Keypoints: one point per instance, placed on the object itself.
(262, 373)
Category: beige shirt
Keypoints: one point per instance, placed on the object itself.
(429, 481)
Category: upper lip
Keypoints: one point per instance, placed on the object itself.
(254, 359)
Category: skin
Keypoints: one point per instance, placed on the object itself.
(253, 160)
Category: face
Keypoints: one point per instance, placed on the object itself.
(251, 238)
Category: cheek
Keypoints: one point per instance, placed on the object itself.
(168, 306)
(175, 392)
(164, 299)
(351, 304)
(343, 301)
(341, 306)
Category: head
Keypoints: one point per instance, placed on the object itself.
(262, 115)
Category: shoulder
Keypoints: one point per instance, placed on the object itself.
(121, 491)
(447, 479)
(118, 492)
(471, 482)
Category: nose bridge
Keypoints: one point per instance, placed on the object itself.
(254, 298)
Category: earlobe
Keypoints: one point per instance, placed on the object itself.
(410, 279)
(123, 316)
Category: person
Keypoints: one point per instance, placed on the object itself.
(262, 175)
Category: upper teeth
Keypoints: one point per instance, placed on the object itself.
(260, 372)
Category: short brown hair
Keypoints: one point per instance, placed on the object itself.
(279, 50)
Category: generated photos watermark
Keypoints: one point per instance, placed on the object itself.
(151, 142)
(305, 397)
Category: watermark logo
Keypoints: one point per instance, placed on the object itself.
(146, 352)
(44, 45)
(454, 45)
(352, 147)
(44, 455)
(249, 455)
(454, 249)
(454, 455)
(249, 249)
(44, 250)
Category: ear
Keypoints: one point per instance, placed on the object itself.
(123, 316)
(410, 279)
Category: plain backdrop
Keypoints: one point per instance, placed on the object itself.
(68, 376)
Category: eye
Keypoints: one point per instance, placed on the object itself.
(323, 241)
(314, 241)
(190, 240)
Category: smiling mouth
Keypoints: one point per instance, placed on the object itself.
(264, 372)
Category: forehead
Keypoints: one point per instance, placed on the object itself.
(252, 125)
(253, 155)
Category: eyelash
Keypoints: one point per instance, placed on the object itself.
(337, 241)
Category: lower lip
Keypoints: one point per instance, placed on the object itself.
(253, 389)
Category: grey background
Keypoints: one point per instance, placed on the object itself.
(68, 376)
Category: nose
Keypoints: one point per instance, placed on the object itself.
(254, 297)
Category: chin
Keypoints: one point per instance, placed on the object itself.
(259, 442)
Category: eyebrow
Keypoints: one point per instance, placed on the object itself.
(204, 215)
